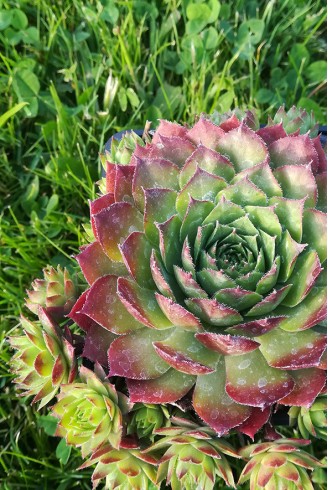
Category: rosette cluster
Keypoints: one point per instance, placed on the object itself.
(206, 270)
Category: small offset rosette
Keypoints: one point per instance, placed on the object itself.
(207, 270)
(44, 358)
(279, 464)
(90, 412)
(124, 468)
(192, 457)
(56, 292)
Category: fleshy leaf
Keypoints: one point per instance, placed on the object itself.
(293, 150)
(214, 405)
(96, 344)
(321, 181)
(308, 385)
(187, 283)
(123, 183)
(196, 212)
(311, 311)
(254, 423)
(208, 160)
(290, 213)
(160, 275)
(201, 186)
(306, 185)
(257, 327)
(133, 356)
(269, 280)
(141, 304)
(243, 193)
(265, 219)
(243, 147)
(213, 280)
(315, 231)
(270, 302)
(225, 212)
(95, 263)
(271, 133)
(114, 225)
(169, 244)
(104, 307)
(173, 148)
(167, 128)
(305, 273)
(136, 252)
(261, 175)
(238, 298)
(213, 312)
(159, 207)
(153, 173)
(227, 344)
(289, 251)
(168, 388)
(206, 133)
(250, 381)
(178, 316)
(297, 350)
(183, 352)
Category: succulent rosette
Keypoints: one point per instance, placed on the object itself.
(278, 465)
(57, 292)
(146, 418)
(311, 421)
(90, 412)
(206, 270)
(193, 457)
(44, 358)
(125, 468)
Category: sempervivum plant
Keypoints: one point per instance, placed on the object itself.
(125, 468)
(206, 271)
(278, 465)
(44, 358)
(311, 421)
(56, 292)
(206, 296)
(193, 457)
(90, 412)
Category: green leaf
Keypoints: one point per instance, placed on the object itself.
(110, 12)
(264, 96)
(26, 86)
(7, 115)
(48, 423)
(299, 55)
(210, 38)
(316, 72)
(122, 98)
(19, 20)
(63, 451)
(199, 11)
(254, 28)
(133, 98)
(30, 194)
(52, 203)
(5, 18)
(12, 36)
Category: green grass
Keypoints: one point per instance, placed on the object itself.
(89, 69)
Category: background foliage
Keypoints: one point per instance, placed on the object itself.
(74, 72)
